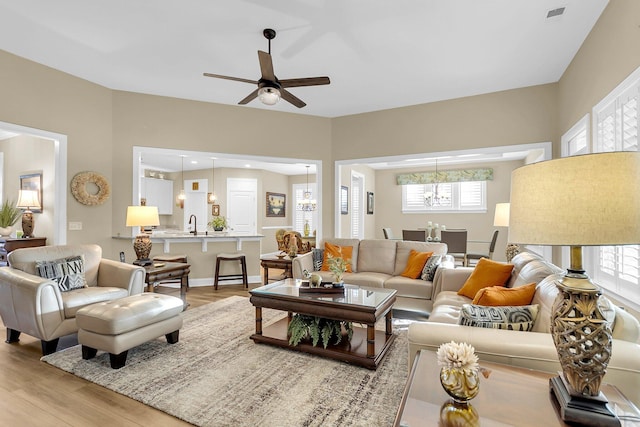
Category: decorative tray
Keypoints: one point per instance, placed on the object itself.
(306, 289)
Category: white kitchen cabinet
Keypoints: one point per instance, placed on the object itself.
(159, 192)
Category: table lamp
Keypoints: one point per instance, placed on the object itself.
(27, 200)
(501, 219)
(142, 216)
(588, 200)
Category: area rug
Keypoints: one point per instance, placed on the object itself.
(216, 376)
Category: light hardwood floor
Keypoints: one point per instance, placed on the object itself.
(33, 393)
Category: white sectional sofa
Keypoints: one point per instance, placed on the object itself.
(379, 263)
(534, 349)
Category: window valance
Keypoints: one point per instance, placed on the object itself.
(461, 175)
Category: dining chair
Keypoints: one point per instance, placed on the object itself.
(388, 234)
(456, 241)
(475, 257)
(414, 235)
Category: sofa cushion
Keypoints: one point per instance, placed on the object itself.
(415, 264)
(369, 279)
(533, 271)
(412, 288)
(499, 295)
(377, 255)
(487, 273)
(520, 318)
(335, 251)
(404, 247)
(68, 273)
(318, 257)
(429, 270)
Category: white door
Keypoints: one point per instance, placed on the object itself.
(242, 209)
(195, 203)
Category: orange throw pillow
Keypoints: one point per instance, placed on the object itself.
(487, 273)
(415, 264)
(497, 295)
(345, 252)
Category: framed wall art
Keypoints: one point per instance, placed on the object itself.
(344, 200)
(276, 204)
(215, 210)
(369, 203)
(33, 182)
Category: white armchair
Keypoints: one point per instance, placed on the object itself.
(36, 306)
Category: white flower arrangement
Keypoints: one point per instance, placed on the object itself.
(455, 355)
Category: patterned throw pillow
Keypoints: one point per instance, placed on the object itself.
(520, 318)
(68, 273)
(318, 256)
(429, 270)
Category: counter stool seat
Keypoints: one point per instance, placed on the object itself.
(231, 257)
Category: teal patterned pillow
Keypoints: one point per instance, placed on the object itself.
(516, 318)
(68, 273)
(430, 267)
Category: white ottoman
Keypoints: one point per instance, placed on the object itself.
(119, 325)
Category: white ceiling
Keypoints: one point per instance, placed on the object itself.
(379, 54)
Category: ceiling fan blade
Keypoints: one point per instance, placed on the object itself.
(253, 95)
(289, 97)
(266, 66)
(308, 81)
(237, 79)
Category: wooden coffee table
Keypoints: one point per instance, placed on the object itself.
(365, 306)
(510, 396)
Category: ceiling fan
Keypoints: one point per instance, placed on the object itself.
(270, 89)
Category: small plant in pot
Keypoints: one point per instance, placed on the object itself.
(338, 266)
(219, 223)
(9, 215)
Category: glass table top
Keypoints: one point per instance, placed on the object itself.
(353, 295)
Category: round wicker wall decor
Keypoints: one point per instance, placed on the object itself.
(79, 188)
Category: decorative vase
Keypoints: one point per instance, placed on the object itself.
(581, 335)
(461, 384)
(307, 228)
(453, 414)
(6, 231)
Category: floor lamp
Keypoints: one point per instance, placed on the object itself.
(142, 216)
(588, 200)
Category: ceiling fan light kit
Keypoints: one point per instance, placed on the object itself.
(270, 88)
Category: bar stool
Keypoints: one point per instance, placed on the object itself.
(172, 258)
(231, 257)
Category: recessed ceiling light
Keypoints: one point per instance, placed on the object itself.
(194, 162)
(247, 165)
(555, 12)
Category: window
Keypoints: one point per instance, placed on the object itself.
(445, 197)
(357, 206)
(576, 140)
(301, 217)
(615, 128)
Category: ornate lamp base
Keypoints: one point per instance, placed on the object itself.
(142, 246)
(584, 410)
(27, 224)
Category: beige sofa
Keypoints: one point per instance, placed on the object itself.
(533, 349)
(378, 264)
(37, 307)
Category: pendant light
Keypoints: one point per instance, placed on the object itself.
(211, 197)
(307, 204)
(182, 196)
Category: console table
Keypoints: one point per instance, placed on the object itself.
(509, 396)
(9, 245)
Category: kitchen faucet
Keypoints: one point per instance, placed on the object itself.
(195, 225)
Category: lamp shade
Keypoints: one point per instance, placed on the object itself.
(28, 199)
(501, 217)
(588, 200)
(142, 216)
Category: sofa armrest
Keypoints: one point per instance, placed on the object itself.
(121, 275)
(29, 303)
(450, 279)
(532, 350)
(301, 263)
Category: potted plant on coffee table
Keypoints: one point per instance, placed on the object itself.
(338, 266)
(9, 214)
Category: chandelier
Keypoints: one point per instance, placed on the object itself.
(437, 196)
(306, 204)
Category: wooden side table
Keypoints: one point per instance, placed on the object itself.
(157, 272)
(272, 261)
(9, 245)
